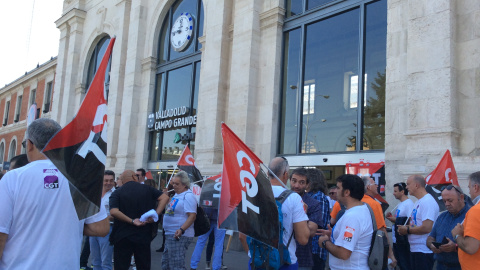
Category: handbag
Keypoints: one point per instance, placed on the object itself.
(202, 222)
(378, 253)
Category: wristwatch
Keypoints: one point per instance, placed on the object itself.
(324, 243)
(183, 231)
(456, 236)
(133, 221)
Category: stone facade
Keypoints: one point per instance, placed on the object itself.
(432, 86)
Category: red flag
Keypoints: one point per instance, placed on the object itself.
(187, 163)
(444, 173)
(79, 149)
(149, 175)
(247, 203)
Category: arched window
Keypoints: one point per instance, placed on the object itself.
(2, 153)
(177, 81)
(13, 149)
(95, 60)
(333, 81)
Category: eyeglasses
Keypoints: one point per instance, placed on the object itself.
(24, 144)
(331, 193)
(137, 175)
(449, 187)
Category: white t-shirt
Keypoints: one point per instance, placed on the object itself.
(38, 214)
(353, 232)
(331, 202)
(293, 212)
(403, 210)
(423, 209)
(176, 213)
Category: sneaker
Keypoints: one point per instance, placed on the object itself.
(224, 267)
(208, 266)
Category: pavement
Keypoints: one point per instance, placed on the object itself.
(233, 259)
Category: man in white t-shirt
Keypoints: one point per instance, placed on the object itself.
(401, 248)
(100, 249)
(349, 241)
(425, 212)
(39, 226)
(294, 217)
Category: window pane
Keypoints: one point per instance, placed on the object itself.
(294, 7)
(375, 64)
(331, 61)
(200, 26)
(172, 148)
(163, 41)
(195, 91)
(155, 145)
(291, 85)
(315, 3)
(179, 85)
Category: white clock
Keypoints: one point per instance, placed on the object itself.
(182, 32)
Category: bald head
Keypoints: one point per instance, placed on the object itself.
(279, 166)
(420, 180)
(127, 176)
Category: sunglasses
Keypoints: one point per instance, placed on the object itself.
(449, 187)
(24, 143)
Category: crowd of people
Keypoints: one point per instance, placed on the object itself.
(322, 228)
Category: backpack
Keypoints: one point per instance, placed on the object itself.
(378, 253)
(264, 256)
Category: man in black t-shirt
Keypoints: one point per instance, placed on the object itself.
(129, 234)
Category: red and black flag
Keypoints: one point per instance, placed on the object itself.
(211, 192)
(247, 203)
(443, 175)
(79, 149)
(187, 163)
(374, 170)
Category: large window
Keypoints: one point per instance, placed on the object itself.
(178, 74)
(333, 88)
(13, 149)
(94, 63)
(2, 154)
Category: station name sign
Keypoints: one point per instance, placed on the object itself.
(171, 118)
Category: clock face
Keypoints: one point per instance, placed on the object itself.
(182, 32)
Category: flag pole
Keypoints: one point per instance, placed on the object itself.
(280, 181)
(176, 165)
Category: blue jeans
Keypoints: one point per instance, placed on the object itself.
(101, 252)
(202, 240)
(283, 267)
(402, 254)
(421, 261)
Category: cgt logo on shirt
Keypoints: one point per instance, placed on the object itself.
(50, 178)
(348, 235)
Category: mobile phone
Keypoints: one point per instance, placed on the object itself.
(438, 244)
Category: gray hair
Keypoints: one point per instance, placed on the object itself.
(366, 182)
(184, 179)
(40, 131)
(475, 178)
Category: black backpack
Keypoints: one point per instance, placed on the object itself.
(378, 253)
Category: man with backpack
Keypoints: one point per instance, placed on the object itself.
(349, 243)
(295, 220)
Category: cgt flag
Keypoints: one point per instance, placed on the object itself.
(79, 149)
(187, 163)
(211, 192)
(247, 203)
(443, 175)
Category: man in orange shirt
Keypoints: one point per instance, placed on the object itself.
(467, 234)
